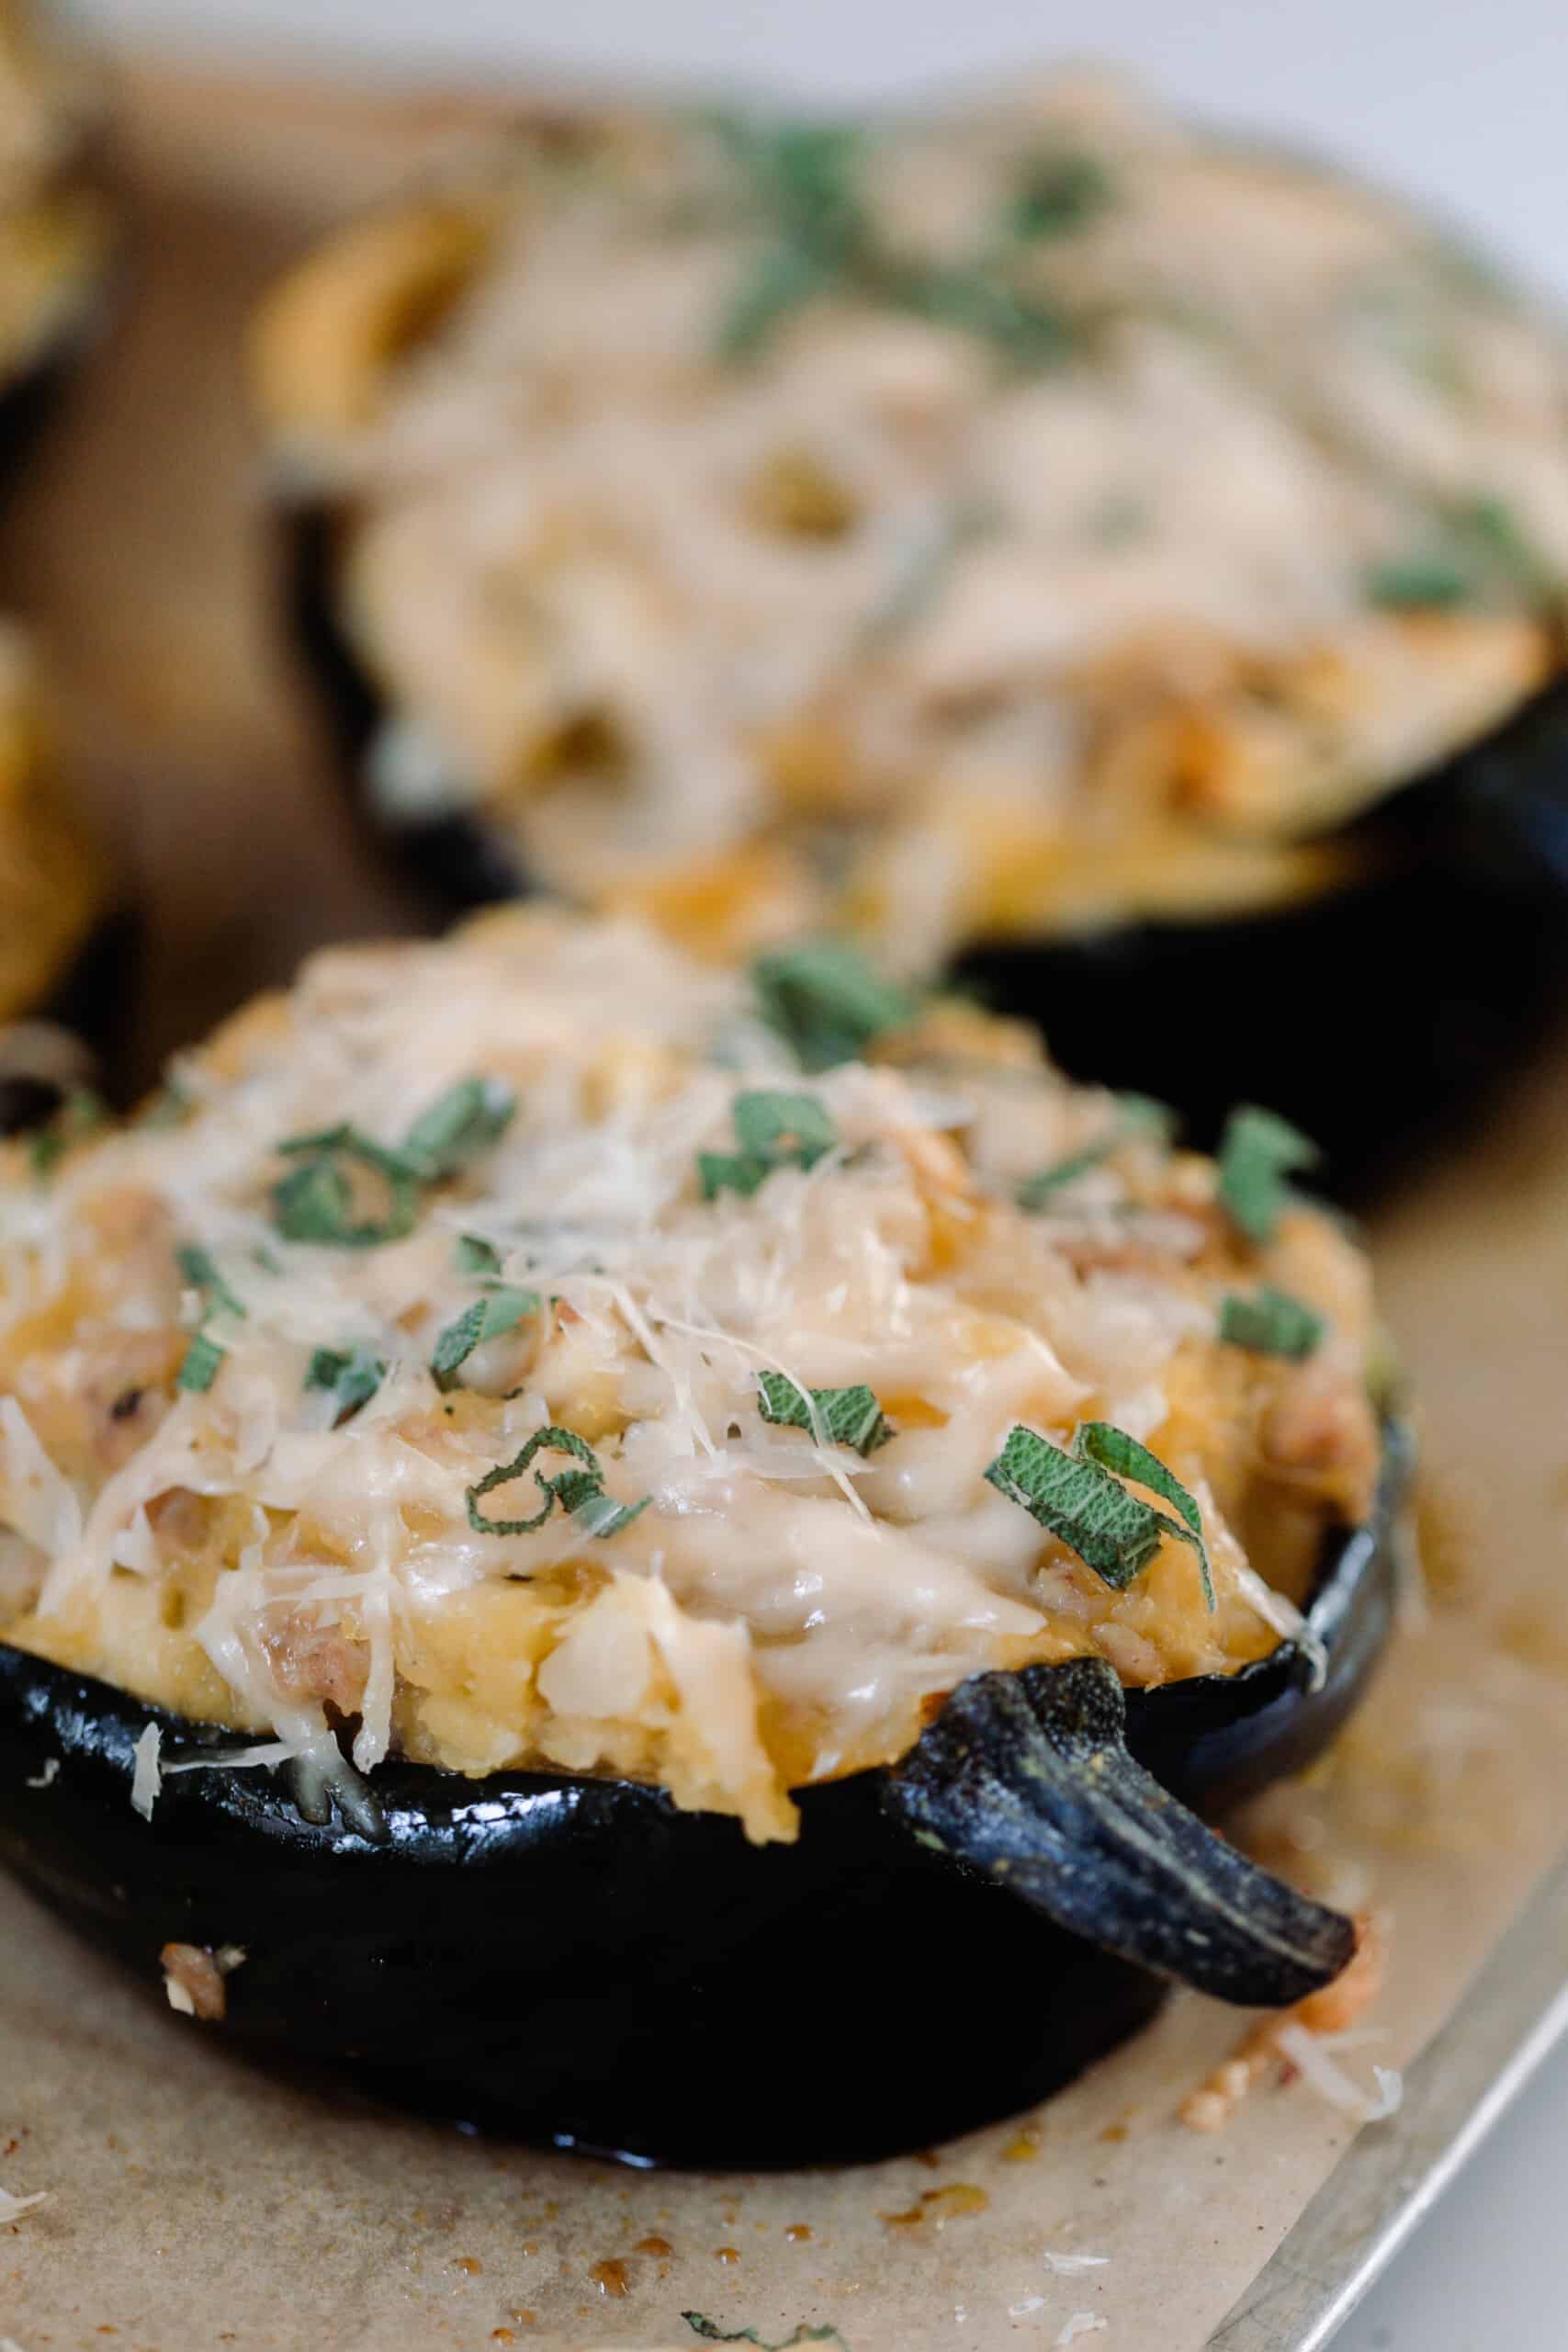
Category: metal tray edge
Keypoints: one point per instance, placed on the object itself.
(1384, 2187)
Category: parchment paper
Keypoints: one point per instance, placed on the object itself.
(198, 2200)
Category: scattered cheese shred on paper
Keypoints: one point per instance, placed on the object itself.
(148, 1776)
(1064, 2265)
(12, 2208)
(1322, 2074)
(1081, 2323)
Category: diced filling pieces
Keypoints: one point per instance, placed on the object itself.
(997, 524)
(541, 1350)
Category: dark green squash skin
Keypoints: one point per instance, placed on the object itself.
(578, 1961)
(1459, 939)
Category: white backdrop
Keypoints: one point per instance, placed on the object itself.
(1459, 101)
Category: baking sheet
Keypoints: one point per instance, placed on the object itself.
(197, 2201)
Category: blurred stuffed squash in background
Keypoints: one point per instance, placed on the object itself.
(1038, 539)
(65, 941)
(63, 947)
(57, 218)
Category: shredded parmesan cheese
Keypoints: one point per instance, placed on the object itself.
(147, 1779)
(12, 2208)
(1320, 2073)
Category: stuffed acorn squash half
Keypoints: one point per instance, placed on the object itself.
(559, 1503)
(1038, 539)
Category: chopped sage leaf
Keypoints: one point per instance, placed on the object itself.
(1077, 1501)
(774, 1130)
(1147, 1115)
(1058, 193)
(198, 1268)
(199, 1370)
(578, 1492)
(1103, 1442)
(1257, 1151)
(1139, 1117)
(1271, 1323)
(783, 279)
(459, 1126)
(315, 1201)
(489, 1318)
(784, 1126)
(826, 1002)
(979, 303)
(352, 1376)
(1475, 553)
(1079, 1498)
(1036, 1190)
(730, 1172)
(841, 1416)
(473, 1256)
(1433, 583)
(802, 180)
(82, 1114)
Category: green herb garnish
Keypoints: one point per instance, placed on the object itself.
(351, 1375)
(980, 302)
(1078, 1497)
(459, 1125)
(580, 1492)
(774, 1130)
(315, 1201)
(782, 280)
(199, 1370)
(1058, 193)
(842, 1416)
(1475, 553)
(1136, 1116)
(804, 182)
(82, 1114)
(826, 1002)
(730, 1172)
(1271, 1323)
(489, 1318)
(1101, 1441)
(198, 1268)
(473, 1256)
(1257, 1151)
(1430, 582)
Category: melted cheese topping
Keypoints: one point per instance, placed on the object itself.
(893, 616)
(53, 882)
(782, 1610)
